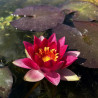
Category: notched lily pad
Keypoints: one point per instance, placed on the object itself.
(38, 18)
(85, 11)
(85, 40)
(6, 81)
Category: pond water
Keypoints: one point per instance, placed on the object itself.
(11, 48)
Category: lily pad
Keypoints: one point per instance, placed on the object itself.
(89, 31)
(85, 40)
(85, 11)
(6, 81)
(38, 18)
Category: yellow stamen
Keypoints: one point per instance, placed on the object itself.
(47, 54)
(46, 58)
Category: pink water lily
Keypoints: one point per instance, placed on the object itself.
(48, 58)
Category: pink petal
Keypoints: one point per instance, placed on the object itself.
(33, 75)
(26, 63)
(41, 38)
(62, 50)
(20, 63)
(52, 38)
(37, 41)
(73, 53)
(45, 70)
(68, 75)
(61, 42)
(57, 66)
(68, 60)
(53, 77)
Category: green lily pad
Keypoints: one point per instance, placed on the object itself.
(83, 39)
(85, 11)
(6, 81)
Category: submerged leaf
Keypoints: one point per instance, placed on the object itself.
(38, 18)
(85, 40)
(6, 81)
(85, 11)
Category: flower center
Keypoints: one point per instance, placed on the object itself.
(47, 54)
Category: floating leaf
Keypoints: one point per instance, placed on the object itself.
(85, 11)
(6, 81)
(89, 31)
(38, 18)
(37, 10)
(85, 40)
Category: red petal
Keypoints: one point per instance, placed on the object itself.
(48, 64)
(44, 43)
(57, 66)
(29, 48)
(37, 41)
(38, 60)
(52, 38)
(52, 45)
(36, 48)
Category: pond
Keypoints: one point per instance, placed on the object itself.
(77, 20)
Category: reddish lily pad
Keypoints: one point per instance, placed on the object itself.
(85, 11)
(6, 81)
(38, 18)
(85, 40)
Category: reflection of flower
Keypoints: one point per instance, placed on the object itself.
(47, 58)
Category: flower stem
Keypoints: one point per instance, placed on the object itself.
(31, 90)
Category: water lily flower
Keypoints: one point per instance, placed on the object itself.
(48, 58)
